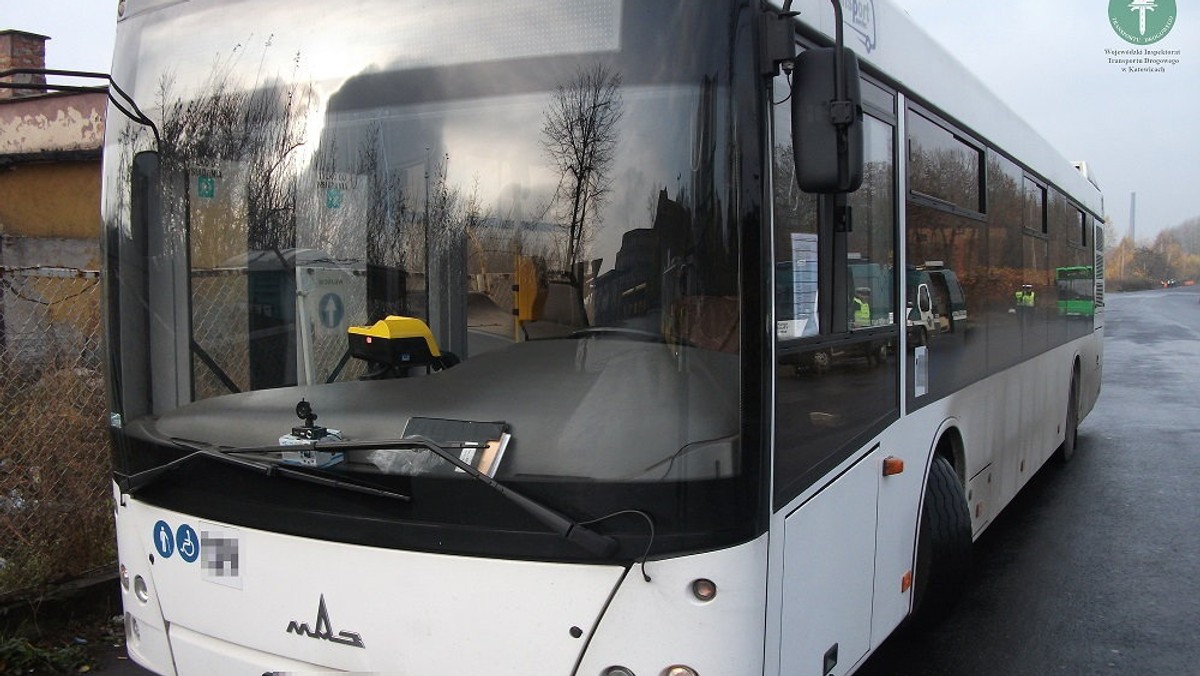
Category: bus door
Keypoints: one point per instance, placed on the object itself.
(836, 388)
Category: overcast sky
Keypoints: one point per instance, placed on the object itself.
(1140, 131)
(1046, 58)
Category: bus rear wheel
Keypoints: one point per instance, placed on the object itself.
(943, 545)
(1066, 451)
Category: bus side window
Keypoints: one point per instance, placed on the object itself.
(836, 371)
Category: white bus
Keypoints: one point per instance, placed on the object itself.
(569, 337)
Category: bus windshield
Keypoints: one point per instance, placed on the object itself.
(558, 213)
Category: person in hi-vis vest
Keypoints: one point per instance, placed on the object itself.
(1025, 296)
(862, 309)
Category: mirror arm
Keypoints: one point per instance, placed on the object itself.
(842, 111)
(839, 60)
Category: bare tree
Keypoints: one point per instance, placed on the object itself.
(579, 134)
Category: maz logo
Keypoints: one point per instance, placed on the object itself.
(324, 629)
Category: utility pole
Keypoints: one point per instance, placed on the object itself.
(1125, 250)
(1133, 217)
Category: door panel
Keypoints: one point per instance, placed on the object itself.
(829, 571)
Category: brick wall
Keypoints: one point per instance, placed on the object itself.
(19, 49)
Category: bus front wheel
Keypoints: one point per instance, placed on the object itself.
(943, 545)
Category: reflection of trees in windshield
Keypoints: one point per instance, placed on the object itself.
(439, 209)
(579, 135)
(798, 207)
(259, 130)
(355, 199)
(227, 165)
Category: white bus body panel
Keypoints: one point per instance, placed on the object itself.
(847, 546)
(305, 605)
(843, 552)
(651, 626)
(1010, 424)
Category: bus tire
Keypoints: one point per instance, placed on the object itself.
(1066, 450)
(943, 545)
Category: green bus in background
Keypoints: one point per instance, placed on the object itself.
(1076, 290)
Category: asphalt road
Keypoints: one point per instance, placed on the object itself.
(1095, 567)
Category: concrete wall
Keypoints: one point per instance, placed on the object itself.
(54, 123)
(50, 180)
(57, 252)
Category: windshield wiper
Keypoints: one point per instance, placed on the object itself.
(595, 543)
(586, 538)
(135, 482)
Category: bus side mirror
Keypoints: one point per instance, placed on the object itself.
(827, 130)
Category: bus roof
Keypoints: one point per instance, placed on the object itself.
(886, 37)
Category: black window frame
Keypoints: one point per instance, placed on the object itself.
(1043, 230)
(960, 136)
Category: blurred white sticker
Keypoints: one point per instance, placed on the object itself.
(921, 371)
(221, 555)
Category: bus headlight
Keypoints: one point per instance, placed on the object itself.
(677, 670)
(704, 590)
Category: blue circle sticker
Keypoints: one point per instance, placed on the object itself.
(331, 310)
(188, 543)
(164, 540)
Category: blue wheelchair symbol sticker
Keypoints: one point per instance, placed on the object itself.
(188, 543)
(164, 541)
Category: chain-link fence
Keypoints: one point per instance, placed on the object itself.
(55, 468)
(221, 361)
(236, 311)
(55, 512)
